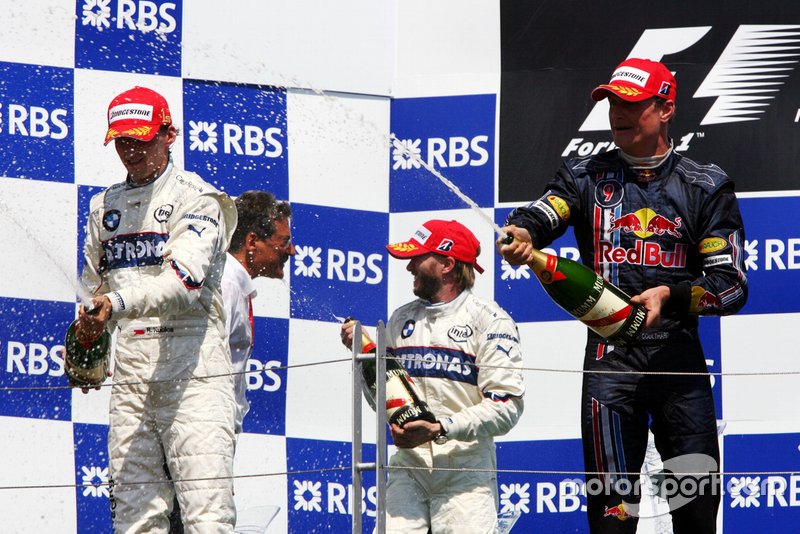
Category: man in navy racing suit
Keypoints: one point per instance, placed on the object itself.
(668, 231)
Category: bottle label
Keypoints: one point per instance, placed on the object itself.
(403, 401)
(631, 328)
(397, 395)
(607, 314)
(549, 273)
(592, 300)
(86, 356)
(610, 316)
(585, 295)
(405, 414)
(86, 377)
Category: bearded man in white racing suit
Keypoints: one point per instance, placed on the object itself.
(464, 355)
(154, 256)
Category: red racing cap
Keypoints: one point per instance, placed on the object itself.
(137, 113)
(448, 238)
(636, 79)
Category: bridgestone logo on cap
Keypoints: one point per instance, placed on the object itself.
(629, 74)
(143, 112)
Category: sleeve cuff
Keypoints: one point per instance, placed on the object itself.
(449, 427)
(680, 295)
(118, 307)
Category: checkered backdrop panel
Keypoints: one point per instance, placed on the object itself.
(300, 99)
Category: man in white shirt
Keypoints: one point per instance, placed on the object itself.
(260, 246)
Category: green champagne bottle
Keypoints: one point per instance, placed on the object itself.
(86, 365)
(403, 401)
(588, 297)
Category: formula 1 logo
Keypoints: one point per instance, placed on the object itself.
(748, 74)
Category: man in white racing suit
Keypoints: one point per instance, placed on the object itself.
(154, 256)
(464, 355)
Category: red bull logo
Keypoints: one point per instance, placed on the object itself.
(628, 223)
(643, 253)
(616, 511)
(660, 225)
(708, 300)
(646, 222)
(703, 300)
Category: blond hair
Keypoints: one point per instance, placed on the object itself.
(464, 275)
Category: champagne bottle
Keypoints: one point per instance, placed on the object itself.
(588, 297)
(86, 365)
(403, 400)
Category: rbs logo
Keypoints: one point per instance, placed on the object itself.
(242, 140)
(148, 15)
(265, 379)
(34, 359)
(349, 266)
(451, 152)
(35, 121)
(144, 15)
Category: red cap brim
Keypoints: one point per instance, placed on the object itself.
(406, 249)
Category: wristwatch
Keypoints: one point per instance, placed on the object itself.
(441, 438)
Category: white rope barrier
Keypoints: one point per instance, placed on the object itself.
(347, 360)
(543, 472)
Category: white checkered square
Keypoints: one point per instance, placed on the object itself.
(39, 239)
(339, 150)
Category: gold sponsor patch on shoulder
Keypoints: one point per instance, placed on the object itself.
(560, 206)
(711, 244)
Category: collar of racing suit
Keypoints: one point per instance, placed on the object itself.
(129, 184)
(644, 166)
(444, 308)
